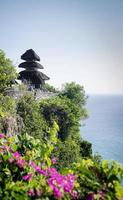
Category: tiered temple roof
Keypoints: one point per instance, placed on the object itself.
(31, 75)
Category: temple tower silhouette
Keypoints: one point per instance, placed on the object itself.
(31, 75)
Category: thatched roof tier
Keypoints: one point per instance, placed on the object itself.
(30, 55)
(31, 64)
(34, 76)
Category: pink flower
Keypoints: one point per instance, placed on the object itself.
(75, 194)
(53, 172)
(3, 149)
(38, 169)
(16, 155)
(2, 135)
(20, 163)
(54, 160)
(57, 193)
(67, 188)
(27, 177)
(41, 171)
(32, 164)
(10, 160)
(31, 193)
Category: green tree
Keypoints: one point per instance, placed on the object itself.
(28, 109)
(75, 93)
(65, 113)
(7, 72)
(7, 109)
(49, 88)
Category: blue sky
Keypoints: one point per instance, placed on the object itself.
(77, 40)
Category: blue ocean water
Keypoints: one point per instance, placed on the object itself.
(104, 127)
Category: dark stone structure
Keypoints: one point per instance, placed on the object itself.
(31, 75)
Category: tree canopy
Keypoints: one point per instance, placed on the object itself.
(7, 72)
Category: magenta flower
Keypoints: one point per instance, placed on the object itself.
(75, 195)
(32, 164)
(41, 171)
(20, 163)
(53, 172)
(54, 160)
(27, 177)
(3, 148)
(38, 169)
(67, 188)
(31, 193)
(2, 135)
(16, 155)
(57, 193)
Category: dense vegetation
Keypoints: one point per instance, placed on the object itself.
(42, 155)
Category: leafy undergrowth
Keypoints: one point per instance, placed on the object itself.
(27, 171)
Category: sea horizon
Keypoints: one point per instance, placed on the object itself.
(104, 127)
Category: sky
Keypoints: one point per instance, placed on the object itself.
(77, 40)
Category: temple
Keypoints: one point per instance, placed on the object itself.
(31, 75)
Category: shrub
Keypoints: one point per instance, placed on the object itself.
(28, 172)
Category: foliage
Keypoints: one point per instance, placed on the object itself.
(100, 181)
(49, 88)
(28, 172)
(7, 72)
(64, 112)
(67, 152)
(7, 106)
(75, 93)
(54, 164)
(7, 109)
(28, 109)
(85, 148)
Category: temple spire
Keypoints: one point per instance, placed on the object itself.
(31, 75)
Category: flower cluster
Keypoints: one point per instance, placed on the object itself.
(24, 173)
(60, 185)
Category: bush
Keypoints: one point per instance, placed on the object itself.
(7, 72)
(64, 112)
(34, 122)
(28, 172)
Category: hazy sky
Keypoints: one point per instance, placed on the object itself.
(77, 40)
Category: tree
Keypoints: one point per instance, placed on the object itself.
(75, 93)
(65, 113)
(7, 72)
(49, 88)
(28, 110)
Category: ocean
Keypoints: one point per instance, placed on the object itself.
(104, 127)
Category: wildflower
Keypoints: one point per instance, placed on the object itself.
(20, 163)
(16, 155)
(27, 177)
(3, 148)
(2, 135)
(38, 169)
(32, 164)
(54, 160)
(75, 194)
(57, 193)
(53, 171)
(31, 193)
(41, 171)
